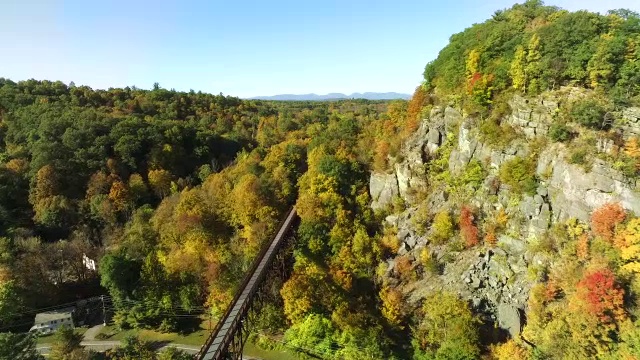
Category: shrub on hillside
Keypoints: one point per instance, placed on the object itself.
(519, 173)
(442, 227)
(578, 157)
(588, 113)
(429, 262)
(494, 133)
(473, 174)
(559, 132)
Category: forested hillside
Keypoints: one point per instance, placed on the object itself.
(491, 216)
(173, 193)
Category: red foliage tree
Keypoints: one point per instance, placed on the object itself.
(474, 80)
(602, 295)
(468, 229)
(605, 219)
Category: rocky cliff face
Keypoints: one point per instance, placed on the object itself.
(497, 280)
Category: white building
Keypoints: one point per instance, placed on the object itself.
(49, 321)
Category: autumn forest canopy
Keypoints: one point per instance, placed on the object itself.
(174, 194)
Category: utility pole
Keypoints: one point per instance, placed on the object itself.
(104, 312)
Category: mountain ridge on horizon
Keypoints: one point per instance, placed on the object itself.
(335, 96)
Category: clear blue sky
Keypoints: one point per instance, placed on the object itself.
(240, 48)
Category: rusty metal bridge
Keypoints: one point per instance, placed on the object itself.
(230, 334)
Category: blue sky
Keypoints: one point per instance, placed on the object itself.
(240, 48)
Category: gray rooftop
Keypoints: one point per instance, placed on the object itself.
(59, 314)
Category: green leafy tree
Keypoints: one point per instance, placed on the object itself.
(133, 349)
(10, 303)
(588, 113)
(18, 347)
(67, 345)
(172, 353)
(532, 69)
(448, 329)
(119, 275)
(315, 333)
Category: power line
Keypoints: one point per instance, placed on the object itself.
(55, 307)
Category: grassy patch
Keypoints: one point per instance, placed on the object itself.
(196, 338)
(253, 350)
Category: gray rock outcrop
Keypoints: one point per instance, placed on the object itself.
(575, 193)
(497, 280)
(383, 189)
(631, 122)
(532, 117)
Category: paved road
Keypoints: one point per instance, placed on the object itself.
(99, 345)
(92, 332)
(103, 345)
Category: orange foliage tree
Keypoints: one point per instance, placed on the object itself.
(392, 305)
(582, 247)
(403, 267)
(468, 229)
(632, 149)
(381, 152)
(119, 195)
(605, 219)
(602, 295)
(490, 238)
(417, 102)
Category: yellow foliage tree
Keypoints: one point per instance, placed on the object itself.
(191, 206)
(632, 148)
(47, 184)
(473, 63)
(18, 166)
(511, 350)
(442, 227)
(297, 294)
(517, 70)
(189, 256)
(160, 181)
(250, 211)
(628, 241)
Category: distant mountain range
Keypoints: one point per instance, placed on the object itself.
(336, 96)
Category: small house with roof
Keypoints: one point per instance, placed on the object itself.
(49, 321)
